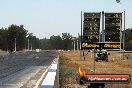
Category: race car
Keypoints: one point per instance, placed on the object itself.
(101, 55)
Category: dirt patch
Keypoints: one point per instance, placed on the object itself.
(70, 61)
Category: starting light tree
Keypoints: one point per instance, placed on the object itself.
(91, 27)
(113, 24)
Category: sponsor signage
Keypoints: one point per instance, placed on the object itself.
(108, 78)
(86, 45)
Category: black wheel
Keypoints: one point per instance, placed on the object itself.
(81, 80)
(96, 85)
(106, 60)
(96, 59)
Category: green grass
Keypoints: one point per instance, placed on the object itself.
(65, 70)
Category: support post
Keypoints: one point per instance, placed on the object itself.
(81, 37)
(28, 44)
(15, 44)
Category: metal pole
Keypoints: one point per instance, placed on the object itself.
(103, 35)
(15, 44)
(104, 27)
(94, 63)
(81, 37)
(74, 45)
(81, 25)
(120, 33)
(124, 33)
(28, 44)
(31, 46)
(77, 44)
(99, 30)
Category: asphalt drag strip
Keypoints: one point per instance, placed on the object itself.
(20, 71)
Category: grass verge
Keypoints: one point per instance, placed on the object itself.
(67, 71)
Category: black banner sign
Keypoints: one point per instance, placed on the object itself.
(108, 78)
(86, 45)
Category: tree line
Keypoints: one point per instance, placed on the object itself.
(18, 36)
(128, 39)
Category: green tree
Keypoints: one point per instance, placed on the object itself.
(67, 41)
(56, 42)
(18, 33)
(128, 39)
(34, 42)
(45, 44)
(3, 39)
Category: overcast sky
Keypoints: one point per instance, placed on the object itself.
(44, 18)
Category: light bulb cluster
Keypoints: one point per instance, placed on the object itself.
(91, 27)
(112, 27)
(90, 38)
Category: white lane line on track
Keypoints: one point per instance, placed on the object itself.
(48, 82)
(39, 81)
